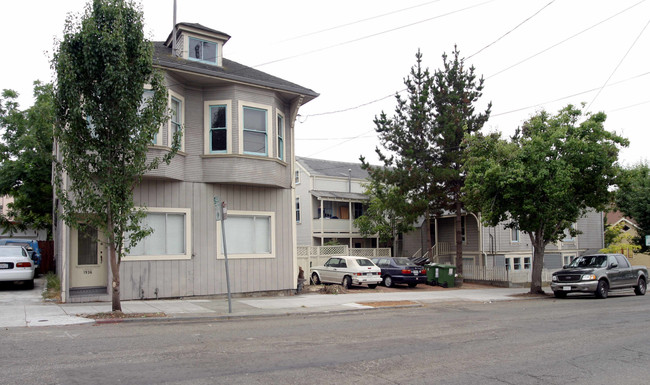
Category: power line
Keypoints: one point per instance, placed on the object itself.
(619, 64)
(564, 41)
(357, 21)
(507, 33)
(371, 35)
(568, 96)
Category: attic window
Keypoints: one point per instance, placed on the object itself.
(202, 50)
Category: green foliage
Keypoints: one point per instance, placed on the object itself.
(545, 177)
(105, 125)
(386, 215)
(52, 286)
(425, 138)
(26, 159)
(633, 197)
(619, 241)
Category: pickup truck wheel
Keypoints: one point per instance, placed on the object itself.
(641, 287)
(314, 279)
(347, 282)
(602, 289)
(559, 294)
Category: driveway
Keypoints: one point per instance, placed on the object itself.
(21, 307)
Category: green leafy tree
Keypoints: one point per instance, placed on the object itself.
(386, 215)
(455, 91)
(543, 179)
(410, 158)
(26, 159)
(633, 198)
(105, 124)
(618, 241)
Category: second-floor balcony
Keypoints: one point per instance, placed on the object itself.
(334, 212)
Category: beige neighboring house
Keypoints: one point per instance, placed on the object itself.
(238, 145)
(629, 225)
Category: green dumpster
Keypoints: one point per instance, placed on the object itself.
(441, 275)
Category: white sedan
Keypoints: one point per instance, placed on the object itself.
(347, 271)
(16, 265)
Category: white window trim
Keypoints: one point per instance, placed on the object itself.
(270, 138)
(188, 237)
(296, 174)
(284, 136)
(170, 138)
(247, 256)
(207, 120)
(158, 141)
(567, 236)
(186, 49)
(515, 231)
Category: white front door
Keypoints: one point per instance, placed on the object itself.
(88, 259)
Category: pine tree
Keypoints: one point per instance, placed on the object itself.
(455, 90)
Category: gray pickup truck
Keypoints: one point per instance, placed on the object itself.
(599, 274)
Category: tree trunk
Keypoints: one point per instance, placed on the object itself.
(538, 263)
(459, 238)
(115, 266)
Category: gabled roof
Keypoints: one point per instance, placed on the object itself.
(230, 70)
(332, 168)
(198, 27)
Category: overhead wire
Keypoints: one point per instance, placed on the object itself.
(357, 21)
(507, 33)
(619, 64)
(371, 35)
(564, 41)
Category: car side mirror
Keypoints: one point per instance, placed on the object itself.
(565, 266)
(613, 265)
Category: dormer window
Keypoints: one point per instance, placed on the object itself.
(202, 50)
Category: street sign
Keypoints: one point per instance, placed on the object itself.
(217, 208)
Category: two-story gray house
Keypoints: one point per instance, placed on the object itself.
(497, 246)
(238, 145)
(329, 197)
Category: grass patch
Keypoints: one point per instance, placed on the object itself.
(52, 287)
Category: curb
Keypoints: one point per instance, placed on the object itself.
(233, 317)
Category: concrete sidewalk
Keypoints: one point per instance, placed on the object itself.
(27, 309)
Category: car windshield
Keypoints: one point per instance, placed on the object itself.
(590, 261)
(364, 262)
(402, 261)
(11, 251)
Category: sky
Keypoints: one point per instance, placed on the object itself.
(533, 54)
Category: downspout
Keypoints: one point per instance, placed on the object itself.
(293, 113)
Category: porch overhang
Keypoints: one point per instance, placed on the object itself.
(339, 196)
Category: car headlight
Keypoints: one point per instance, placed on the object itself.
(554, 278)
(588, 277)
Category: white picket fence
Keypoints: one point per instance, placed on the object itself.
(312, 256)
(501, 274)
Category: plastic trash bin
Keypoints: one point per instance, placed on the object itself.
(441, 275)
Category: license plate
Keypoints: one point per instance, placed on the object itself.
(566, 288)
(4, 265)
(416, 272)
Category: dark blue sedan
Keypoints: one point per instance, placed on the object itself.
(400, 270)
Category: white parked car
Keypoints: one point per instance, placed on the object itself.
(16, 265)
(347, 271)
